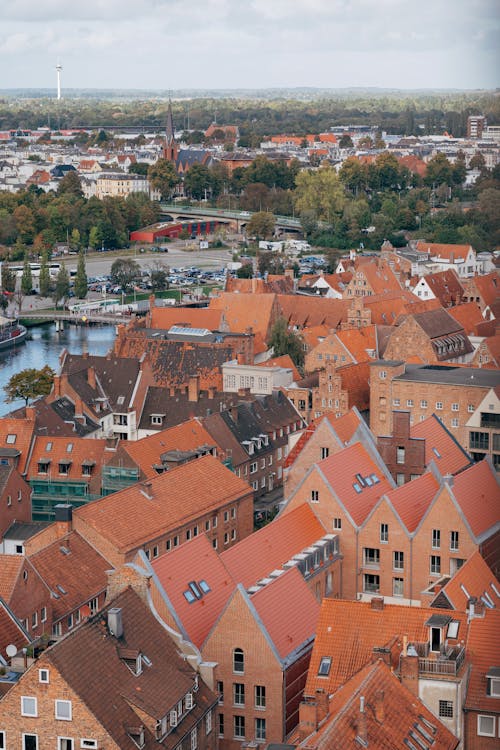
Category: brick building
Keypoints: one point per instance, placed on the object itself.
(146, 696)
(452, 393)
(433, 336)
(15, 497)
(341, 388)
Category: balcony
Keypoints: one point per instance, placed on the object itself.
(447, 662)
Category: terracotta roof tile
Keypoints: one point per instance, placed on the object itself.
(242, 311)
(71, 451)
(341, 470)
(412, 499)
(303, 312)
(448, 252)
(483, 647)
(488, 286)
(133, 516)
(358, 341)
(288, 610)
(268, 548)
(196, 561)
(348, 631)
(10, 569)
(477, 491)
(284, 361)
(473, 579)
(468, 316)
(10, 632)
(440, 446)
(187, 317)
(22, 430)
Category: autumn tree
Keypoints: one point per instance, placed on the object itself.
(70, 185)
(163, 177)
(29, 384)
(261, 225)
(320, 193)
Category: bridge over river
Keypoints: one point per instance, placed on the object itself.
(238, 218)
(60, 317)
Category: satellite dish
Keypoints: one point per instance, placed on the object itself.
(11, 650)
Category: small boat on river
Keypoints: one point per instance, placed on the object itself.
(12, 333)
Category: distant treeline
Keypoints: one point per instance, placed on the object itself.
(393, 112)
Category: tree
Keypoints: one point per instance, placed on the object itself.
(125, 273)
(163, 177)
(245, 272)
(8, 279)
(197, 181)
(477, 161)
(27, 277)
(81, 283)
(70, 185)
(140, 167)
(44, 281)
(75, 239)
(439, 170)
(61, 289)
(25, 223)
(261, 225)
(159, 276)
(94, 239)
(29, 384)
(346, 141)
(284, 341)
(320, 193)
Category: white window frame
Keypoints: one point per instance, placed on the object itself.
(194, 738)
(67, 739)
(41, 673)
(66, 702)
(208, 723)
(482, 733)
(88, 744)
(29, 734)
(33, 715)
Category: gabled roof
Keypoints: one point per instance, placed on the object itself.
(71, 451)
(113, 697)
(355, 380)
(288, 611)
(387, 308)
(392, 713)
(10, 632)
(272, 284)
(116, 376)
(187, 317)
(473, 579)
(451, 253)
(10, 569)
(358, 340)
(380, 277)
(73, 571)
(340, 471)
(445, 285)
(348, 631)
(195, 561)
(440, 446)
(17, 434)
(267, 549)
(412, 499)
(477, 491)
(488, 286)
(468, 316)
(243, 311)
(144, 511)
(301, 311)
(483, 648)
(146, 453)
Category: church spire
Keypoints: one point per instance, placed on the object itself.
(170, 149)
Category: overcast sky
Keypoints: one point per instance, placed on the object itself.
(173, 44)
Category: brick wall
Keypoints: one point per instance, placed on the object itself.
(15, 502)
(411, 460)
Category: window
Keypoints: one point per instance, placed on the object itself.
(88, 743)
(260, 696)
(398, 587)
(239, 727)
(384, 532)
(239, 694)
(2, 740)
(439, 405)
(337, 523)
(314, 496)
(435, 564)
(454, 407)
(57, 629)
(382, 374)
(10, 439)
(325, 452)
(226, 535)
(486, 726)
(409, 402)
(452, 631)
(371, 556)
(470, 408)
(30, 742)
(400, 454)
(396, 402)
(28, 706)
(446, 709)
(479, 440)
(238, 661)
(260, 729)
(253, 467)
(43, 675)
(454, 541)
(423, 404)
(65, 743)
(454, 422)
(188, 536)
(220, 690)
(325, 666)
(436, 538)
(63, 710)
(194, 739)
(208, 723)
(398, 560)
(221, 725)
(34, 619)
(371, 583)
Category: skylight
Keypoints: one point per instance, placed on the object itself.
(204, 587)
(325, 666)
(11, 439)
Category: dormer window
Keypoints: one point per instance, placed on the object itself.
(132, 659)
(43, 466)
(64, 467)
(136, 734)
(493, 682)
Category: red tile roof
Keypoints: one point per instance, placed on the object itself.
(288, 610)
(243, 311)
(197, 561)
(488, 286)
(266, 550)
(139, 514)
(412, 499)
(440, 446)
(474, 579)
(392, 713)
(348, 631)
(358, 340)
(448, 252)
(284, 361)
(146, 453)
(340, 472)
(301, 311)
(10, 632)
(477, 491)
(23, 430)
(10, 569)
(187, 317)
(483, 646)
(73, 450)
(468, 315)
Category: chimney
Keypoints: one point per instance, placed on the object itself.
(78, 407)
(405, 645)
(379, 706)
(408, 672)
(115, 622)
(322, 705)
(362, 736)
(377, 603)
(91, 378)
(56, 387)
(30, 413)
(194, 388)
(152, 301)
(63, 519)
(307, 718)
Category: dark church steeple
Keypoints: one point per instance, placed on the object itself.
(170, 148)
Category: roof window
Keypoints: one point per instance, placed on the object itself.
(11, 439)
(325, 666)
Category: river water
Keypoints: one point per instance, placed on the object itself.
(44, 347)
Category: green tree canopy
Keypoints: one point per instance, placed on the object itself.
(44, 281)
(284, 341)
(125, 272)
(320, 193)
(27, 277)
(346, 141)
(62, 285)
(81, 283)
(70, 185)
(163, 177)
(29, 384)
